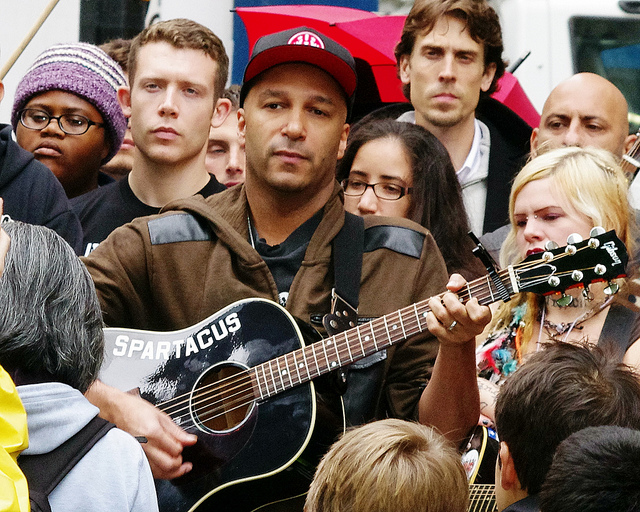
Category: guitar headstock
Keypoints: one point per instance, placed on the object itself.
(602, 257)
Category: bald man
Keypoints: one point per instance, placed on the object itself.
(584, 110)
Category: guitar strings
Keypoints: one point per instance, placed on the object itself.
(376, 328)
(243, 384)
(248, 394)
(482, 498)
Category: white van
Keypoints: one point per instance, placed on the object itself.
(571, 36)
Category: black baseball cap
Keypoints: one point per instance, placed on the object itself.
(302, 44)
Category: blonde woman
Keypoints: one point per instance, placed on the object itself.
(563, 191)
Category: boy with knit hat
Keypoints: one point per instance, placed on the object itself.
(66, 113)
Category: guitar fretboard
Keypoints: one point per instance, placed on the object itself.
(482, 498)
(302, 365)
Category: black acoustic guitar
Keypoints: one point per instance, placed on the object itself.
(241, 379)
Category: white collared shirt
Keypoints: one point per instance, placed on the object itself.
(472, 177)
(473, 174)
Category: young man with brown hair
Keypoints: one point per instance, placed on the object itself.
(177, 72)
(449, 59)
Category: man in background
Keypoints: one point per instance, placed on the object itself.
(120, 165)
(177, 72)
(584, 110)
(449, 59)
(225, 153)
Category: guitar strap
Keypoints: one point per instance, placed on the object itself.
(617, 330)
(348, 247)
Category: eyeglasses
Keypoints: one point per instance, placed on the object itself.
(71, 124)
(386, 191)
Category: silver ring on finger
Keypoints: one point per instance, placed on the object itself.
(453, 324)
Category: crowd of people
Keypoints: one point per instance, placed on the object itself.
(139, 193)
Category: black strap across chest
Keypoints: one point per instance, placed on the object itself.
(348, 247)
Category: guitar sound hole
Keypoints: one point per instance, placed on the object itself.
(222, 398)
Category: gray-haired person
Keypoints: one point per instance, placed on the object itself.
(52, 343)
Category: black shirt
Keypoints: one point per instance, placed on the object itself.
(106, 208)
(284, 259)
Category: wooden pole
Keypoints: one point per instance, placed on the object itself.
(25, 42)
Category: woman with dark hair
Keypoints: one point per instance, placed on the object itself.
(401, 170)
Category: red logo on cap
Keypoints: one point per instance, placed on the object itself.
(306, 38)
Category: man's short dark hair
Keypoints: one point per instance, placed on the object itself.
(594, 470)
(118, 50)
(232, 93)
(481, 21)
(557, 392)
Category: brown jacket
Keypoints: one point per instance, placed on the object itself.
(170, 271)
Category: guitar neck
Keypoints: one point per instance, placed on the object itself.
(482, 498)
(294, 368)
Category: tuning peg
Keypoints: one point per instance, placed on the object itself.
(574, 238)
(564, 300)
(570, 249)
(612, 288)
(597, 231)
(577, 275)
(547, 256)
(586, 293)
(550, 245)
(554, 281)
(600, 269)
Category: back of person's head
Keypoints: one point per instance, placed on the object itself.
(50, 317)
(592, 182)
(594, 470)
(118, 50)
(183, 34)
(481, 21)
(390, 466)
(84, 70)
(555, 393)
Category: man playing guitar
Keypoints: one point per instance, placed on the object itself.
(272, 237)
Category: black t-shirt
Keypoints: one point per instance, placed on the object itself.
(284, 259)
(109, 207)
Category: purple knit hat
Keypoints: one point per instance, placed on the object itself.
(82, 69)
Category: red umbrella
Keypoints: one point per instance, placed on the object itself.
(371, 39)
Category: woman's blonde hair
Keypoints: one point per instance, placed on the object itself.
(390, 465)
(590, 179)
(595, 185)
